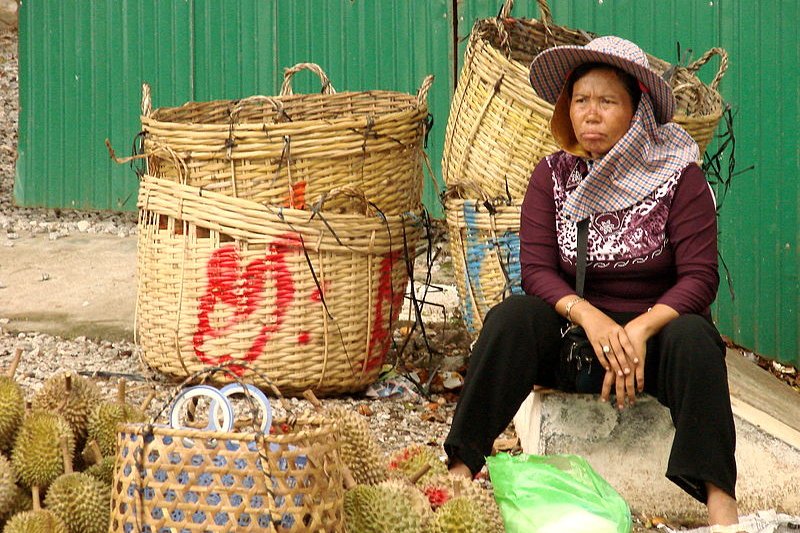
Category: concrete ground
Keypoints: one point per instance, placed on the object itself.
(84, 285)
(81, 285)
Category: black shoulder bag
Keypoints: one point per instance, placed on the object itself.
(577, 354)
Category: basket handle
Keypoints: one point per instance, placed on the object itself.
(545, 16)
(147, 103)
(422, 93)
(723, 64)
(461, 189)
(277, 106)
(160, 149)
(346, 191)
(228, 370)
(288, 74)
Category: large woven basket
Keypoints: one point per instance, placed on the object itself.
(309, 299)
(484, 246)
(287, 149)
(498, 129)
(188, 480)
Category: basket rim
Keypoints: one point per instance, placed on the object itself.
(293, 215)
(311, 426)
(719, 102)
(413, 108)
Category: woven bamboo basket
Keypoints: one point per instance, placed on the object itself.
(699, 107)
(484, 246)
(309, 299)
(498, 129)
(189, 480)
(286, 149)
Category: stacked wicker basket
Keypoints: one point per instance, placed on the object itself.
(498, 130)
(273, 232)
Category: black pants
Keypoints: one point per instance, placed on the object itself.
(685, 369)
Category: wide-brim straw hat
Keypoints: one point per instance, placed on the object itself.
(550, 69)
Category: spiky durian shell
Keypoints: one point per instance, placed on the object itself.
(389, 507)
(411, 495)
(103, 471)
(453, 486)
(103, 422)
(460, 515)
(8, 483)
(42, 521)
(37, 456)
(359, 450)
(21, 501)
(75, 406)
(12, 410)
(81, 501)
(411, 459)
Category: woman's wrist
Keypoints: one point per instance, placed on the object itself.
(580, 311)
(654, 319)
(570, 304)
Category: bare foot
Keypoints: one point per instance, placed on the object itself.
(458, 468)
(722, 509)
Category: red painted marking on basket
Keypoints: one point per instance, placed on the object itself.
(242, 289)
(297, 196)
(316, 295)
(304, 337)
(381, 336)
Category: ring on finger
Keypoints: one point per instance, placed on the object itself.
(606, 348)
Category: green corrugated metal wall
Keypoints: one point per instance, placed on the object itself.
(81, 65)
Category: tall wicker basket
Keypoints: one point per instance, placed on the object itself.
(306, 297)
(498, 129)
(484, 246)
(290, 149)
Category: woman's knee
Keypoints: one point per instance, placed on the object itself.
(689, 329)
(518, 306)
(692, 337)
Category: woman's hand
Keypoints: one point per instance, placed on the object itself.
(611, 345)
(632, 382)
(638, 331)
(617, 353)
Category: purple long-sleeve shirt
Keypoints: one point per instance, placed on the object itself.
(660, 250)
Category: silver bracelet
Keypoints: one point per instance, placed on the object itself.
(571, 303)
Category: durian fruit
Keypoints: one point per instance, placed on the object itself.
(460, 515)
(103, 471)
(408, 462)
(12, 405)
(20, 501)
(359, 450)
(7, 482)
(103, 424)
(391, 506)
(442, 488)
(72, 396)
(41, 521)
(37, 456)
(81, 501)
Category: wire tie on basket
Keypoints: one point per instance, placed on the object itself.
(138, 149)
(428, 125)
(229, 142)
(508, 199)
(489, 207)
(317, 207)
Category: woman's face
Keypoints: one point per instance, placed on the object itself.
(600, 110)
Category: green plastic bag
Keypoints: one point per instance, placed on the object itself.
(555, 494)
